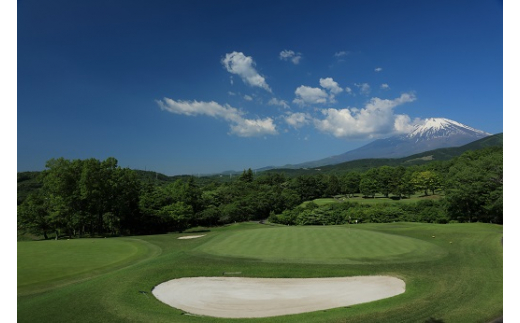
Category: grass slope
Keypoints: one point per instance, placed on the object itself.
(465, 285)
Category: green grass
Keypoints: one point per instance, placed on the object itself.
(45, 264)
(322, 245)
(462, 284)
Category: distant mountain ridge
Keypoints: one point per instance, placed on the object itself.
(434, 133)
(362, 165)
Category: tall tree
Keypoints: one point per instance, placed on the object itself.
(332, 186)
(350, 183)
(247, 176)
(33, 216)
(474, 188)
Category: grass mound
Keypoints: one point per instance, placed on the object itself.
(322, 244)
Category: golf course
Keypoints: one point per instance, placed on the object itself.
(451, 272)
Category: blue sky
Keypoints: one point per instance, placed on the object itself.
(194, 87)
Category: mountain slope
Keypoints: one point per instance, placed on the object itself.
(432, 134)
(362, 165)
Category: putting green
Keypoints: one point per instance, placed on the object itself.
(333, 245)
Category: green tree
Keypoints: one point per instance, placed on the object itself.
(247, 176)
(350, 183)
(474, 189)
(386, 178)
(33, 216)
(60, 188)
(333, 186)
(368, 187)
(179, 213)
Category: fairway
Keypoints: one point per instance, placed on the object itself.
(322, 244)
(63, 260)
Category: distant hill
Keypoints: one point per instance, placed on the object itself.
(362, 165)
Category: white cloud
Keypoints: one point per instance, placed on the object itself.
(239, 125)
(194, 108)
(340, 54)
(282, 103)
(385, 86)
(254, 128)
(403, 124)
(348, 90)
(290, 55)
(297, 120)
(364, 88)
(378, 69)
(310, 95)
(376, 119)
(306, 95)
(248, 98)
(243, 66)
(331, 85)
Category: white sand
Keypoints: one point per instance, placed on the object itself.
(241, 297)
(190, 237)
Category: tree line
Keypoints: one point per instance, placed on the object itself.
(90, 197)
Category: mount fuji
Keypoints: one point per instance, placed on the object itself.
(433, 133)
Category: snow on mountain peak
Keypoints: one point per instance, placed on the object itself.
(442, 127)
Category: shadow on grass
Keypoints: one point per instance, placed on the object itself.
(433, 320)
(398, 198)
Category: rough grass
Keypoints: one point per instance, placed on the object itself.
(465, 285)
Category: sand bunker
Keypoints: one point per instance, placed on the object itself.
(241, 297)
(190, 237)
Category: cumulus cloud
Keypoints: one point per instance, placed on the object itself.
(331, 85)
(282, 103)
(348, 90)
(239, 125)
(376, 119)
(378, 69)
(364, 88)
(244, 66)
(248, 98)
(340, 54)
(310, 95)
(306, 95)
(254, 128)
(297, 120)
(290, 55)
(403, 124)
(385, 86)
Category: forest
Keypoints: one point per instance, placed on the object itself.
(86, 198)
